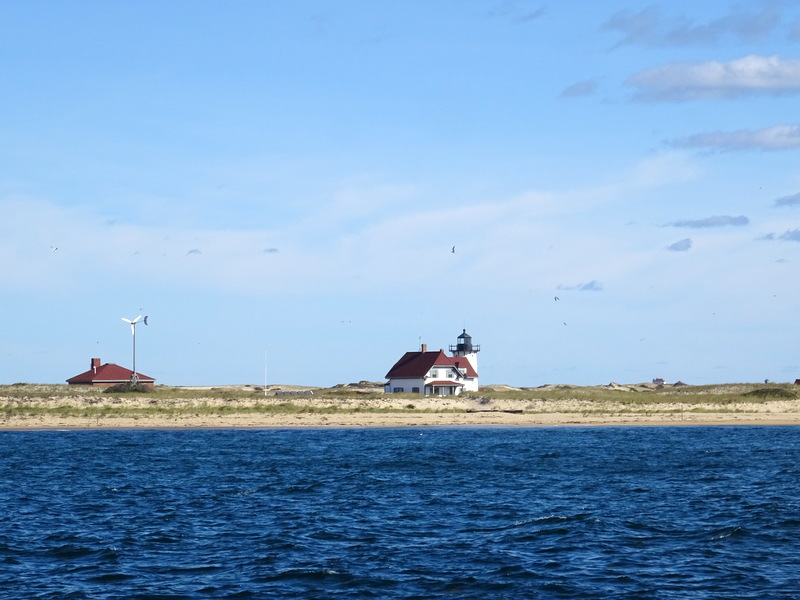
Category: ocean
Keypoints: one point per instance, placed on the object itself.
(412, 513)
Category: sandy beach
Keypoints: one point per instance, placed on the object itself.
(203, 409)
(392, 420)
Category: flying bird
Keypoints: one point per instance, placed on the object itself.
(453, 250)
(53, 249)
(556, 298)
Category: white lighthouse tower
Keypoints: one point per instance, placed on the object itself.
(464, 347)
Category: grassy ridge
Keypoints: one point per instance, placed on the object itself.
(732, 393)
(83, 401)
(90, 411)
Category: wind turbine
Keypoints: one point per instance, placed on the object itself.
(134, 376)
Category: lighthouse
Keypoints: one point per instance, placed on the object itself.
(464, 347)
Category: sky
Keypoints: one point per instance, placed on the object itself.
(299, 192)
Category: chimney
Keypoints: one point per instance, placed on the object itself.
(95, 364)
(424, 347)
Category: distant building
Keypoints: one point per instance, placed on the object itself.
(107, 375)
(435, 373)
(658, 381)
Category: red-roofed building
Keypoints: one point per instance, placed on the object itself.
(107, 375)
(435, 373)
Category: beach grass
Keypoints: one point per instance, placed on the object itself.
(63, 400)
(648, 394)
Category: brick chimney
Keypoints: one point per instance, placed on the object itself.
(424, 347)
(95, 364)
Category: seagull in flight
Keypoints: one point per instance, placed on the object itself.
(453, 250)
(53, 249)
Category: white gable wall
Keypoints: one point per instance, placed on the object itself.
(437, 373)
(405, 386)
(470, 383)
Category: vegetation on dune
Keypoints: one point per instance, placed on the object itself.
(31, 400)
(649, 394)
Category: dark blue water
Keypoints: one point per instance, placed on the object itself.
(693, 512)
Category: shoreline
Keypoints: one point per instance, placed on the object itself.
(393, 420)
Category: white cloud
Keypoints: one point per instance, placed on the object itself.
(779, 137)
(367, 238)
(750, 75)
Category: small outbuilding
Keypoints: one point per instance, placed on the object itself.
(108, 374)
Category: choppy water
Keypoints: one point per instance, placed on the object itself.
(695, 512)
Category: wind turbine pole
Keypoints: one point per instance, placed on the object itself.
(134, 376)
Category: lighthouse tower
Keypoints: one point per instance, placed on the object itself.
(464, 347)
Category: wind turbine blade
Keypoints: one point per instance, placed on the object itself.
(133, 329)
(127, 320)
(136, 320)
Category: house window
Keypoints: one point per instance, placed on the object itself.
(398, 390)
(434, 372)
(415, 390)
(451, 375)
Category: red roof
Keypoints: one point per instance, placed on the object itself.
(414, 365)
(461, 362)
(107, 373)
(445, 382)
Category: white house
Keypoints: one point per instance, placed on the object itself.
(435, 373)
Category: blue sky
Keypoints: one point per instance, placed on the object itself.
(281, 184)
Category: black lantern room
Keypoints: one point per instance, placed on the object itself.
(464, 344)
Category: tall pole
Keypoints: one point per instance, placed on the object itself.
(132, 323)
(134, 377)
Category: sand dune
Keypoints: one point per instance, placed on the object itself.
(204, 409)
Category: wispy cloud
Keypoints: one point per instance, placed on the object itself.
(579, 89)
(517, 11)
(683, 81)
(649, 27)
(680, 246)
(793, 200)
(715, 221)
(592, 286)
(779, 137)
(790, 235)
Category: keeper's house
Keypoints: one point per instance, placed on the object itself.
(435, 373)
(107, 375)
